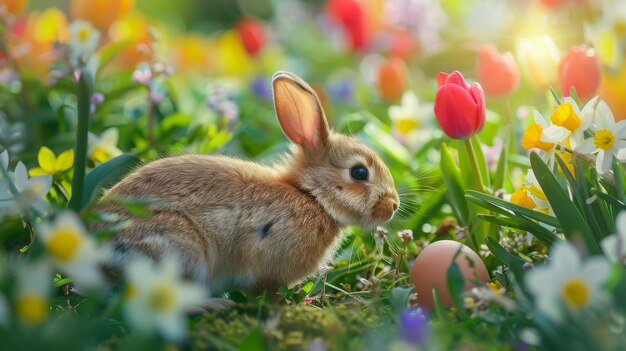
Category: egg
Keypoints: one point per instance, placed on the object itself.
(430, 270)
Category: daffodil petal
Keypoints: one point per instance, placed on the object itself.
(46, 159)
(611, 248)
(620, 129)
(604, 116)
(65, 160)
(586, 147)
(554, 134)
(596, 270)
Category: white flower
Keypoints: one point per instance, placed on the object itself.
(157, 298)
(607, 138)
(84, 40)
(104, 147)
(72, 250)
(33, 289)
(31, 191)
(408, 120)
(614, 246)
(566, 283)
(569, 121)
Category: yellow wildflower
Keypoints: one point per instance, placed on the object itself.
(50, 164)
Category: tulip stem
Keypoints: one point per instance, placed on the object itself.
(474, 163)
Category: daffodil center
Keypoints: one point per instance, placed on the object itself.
(576, 293)
(407, 125)
(83, 34)
(130, 292)
(100, 155)
(31, 308)
(619, 28)
(63, 244)
(532, 138)
(565, 117)
(161, 298)
(604, 139)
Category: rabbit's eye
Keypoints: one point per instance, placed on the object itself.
(359, 173)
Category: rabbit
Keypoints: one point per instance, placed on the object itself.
(238, 224)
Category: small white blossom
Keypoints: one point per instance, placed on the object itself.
(566, 283)
(614, 246)
(157, 298)
(83, 42)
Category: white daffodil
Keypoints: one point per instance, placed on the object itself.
(84, 40)
(30, 191)
(104, 147)
(569, 121)
(33, 290)
(156, 298)
(566, 284)
(614, 246)
(534, 136)
(607, 138)
(408, 120)
(72, 250)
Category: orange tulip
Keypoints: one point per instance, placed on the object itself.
(132, 30)
(392, 79)
(612, 88)
(497, 72)
(580, 69)
(15, 7)
(101, 13)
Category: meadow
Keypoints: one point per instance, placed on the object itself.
(501, 123)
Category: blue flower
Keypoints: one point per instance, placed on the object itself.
(413, 327)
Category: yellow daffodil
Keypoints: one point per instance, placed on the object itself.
(539, 58)
(521, 198)
(50, 164)
(104, 147)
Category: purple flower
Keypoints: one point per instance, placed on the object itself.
(413, 327)
(261, 88)
(492, 152)
(341, 89)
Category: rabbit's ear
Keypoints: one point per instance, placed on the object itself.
(298, 110)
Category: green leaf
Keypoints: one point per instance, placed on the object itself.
(572, 221)
(476, 197)
(452, 178)
(522, 223)
(400, 298)
(501, 168)
(456, 284)
(427, 210)
(253, 342)
(513, 262)
(619, 180)
(106, 175)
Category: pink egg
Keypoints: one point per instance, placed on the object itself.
(430, 270)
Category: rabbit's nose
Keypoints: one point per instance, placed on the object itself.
(394, 205)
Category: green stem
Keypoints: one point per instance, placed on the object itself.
(478, 184)
(80, 151)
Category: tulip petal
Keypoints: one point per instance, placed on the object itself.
(476, 91)
(457, 78)
(455, 110)
(441, 78)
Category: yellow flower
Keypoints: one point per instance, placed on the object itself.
(564, 116)
(33, 289)
(539, 58)
(521, 198)
(104, 147)
(50, 164)
(532, 138)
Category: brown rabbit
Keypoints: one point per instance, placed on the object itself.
(238, 224)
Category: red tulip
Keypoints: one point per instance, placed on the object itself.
(352, 17)
(459, 107)
(497, 72)
(579, 68)
(252, 34)
(392, 79)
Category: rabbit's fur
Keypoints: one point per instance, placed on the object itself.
(236, 223)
